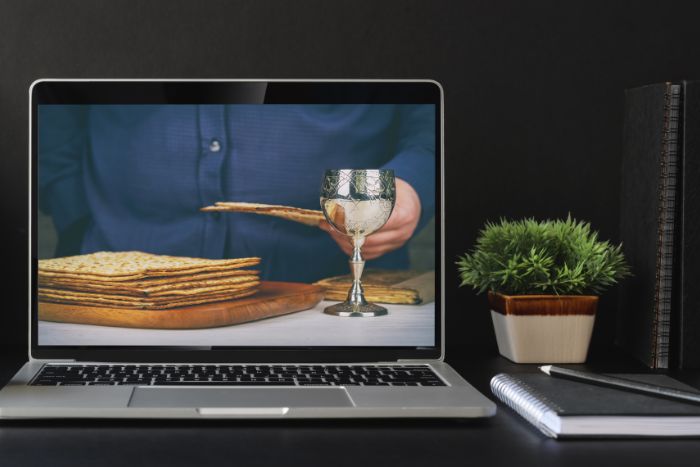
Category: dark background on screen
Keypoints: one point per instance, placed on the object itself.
(533, 96)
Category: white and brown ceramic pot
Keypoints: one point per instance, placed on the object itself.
(543, 328)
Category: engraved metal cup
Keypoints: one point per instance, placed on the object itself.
(357, 203)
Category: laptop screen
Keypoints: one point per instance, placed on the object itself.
(223, 215)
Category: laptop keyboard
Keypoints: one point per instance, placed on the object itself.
(237, 375)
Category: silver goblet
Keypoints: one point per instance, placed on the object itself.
(357, 203)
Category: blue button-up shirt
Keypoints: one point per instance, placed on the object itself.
(140, 173)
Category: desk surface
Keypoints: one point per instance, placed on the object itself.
(505, 439)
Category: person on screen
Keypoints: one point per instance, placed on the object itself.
(133, 177)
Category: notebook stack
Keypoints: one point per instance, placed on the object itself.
(132, 279)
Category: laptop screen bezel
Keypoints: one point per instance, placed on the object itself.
(137, 91)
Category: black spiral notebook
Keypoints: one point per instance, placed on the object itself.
(565, 408)
(648, 223)
(659, 315)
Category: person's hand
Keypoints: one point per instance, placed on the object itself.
(395, 233)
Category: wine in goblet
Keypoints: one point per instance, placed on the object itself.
(357, 203)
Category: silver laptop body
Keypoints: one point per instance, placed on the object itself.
(457, 398)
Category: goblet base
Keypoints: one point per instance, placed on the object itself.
(351, 310)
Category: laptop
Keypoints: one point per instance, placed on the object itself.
(124, 167)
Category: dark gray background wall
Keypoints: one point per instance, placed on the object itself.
(533, 90)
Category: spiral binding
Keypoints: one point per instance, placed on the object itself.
(666, 230)
(522, 399)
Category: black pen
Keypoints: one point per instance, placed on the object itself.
(620, 383)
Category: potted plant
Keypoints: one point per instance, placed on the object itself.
(543, 280)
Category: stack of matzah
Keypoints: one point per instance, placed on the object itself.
(132, 279)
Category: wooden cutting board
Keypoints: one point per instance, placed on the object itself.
(273, 299)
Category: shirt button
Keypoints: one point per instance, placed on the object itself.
(215, 145)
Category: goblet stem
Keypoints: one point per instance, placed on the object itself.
(356, 305)
(357, 264)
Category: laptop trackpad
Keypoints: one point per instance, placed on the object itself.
(241, 397)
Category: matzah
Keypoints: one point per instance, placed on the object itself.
(385, 286)
(135, 264)
(78, 295)
(149, 305)
(144, 288)
(138, 280)
(305, 216)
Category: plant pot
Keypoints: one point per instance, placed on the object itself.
(543, 328)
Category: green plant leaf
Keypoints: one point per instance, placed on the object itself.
(541, 257)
